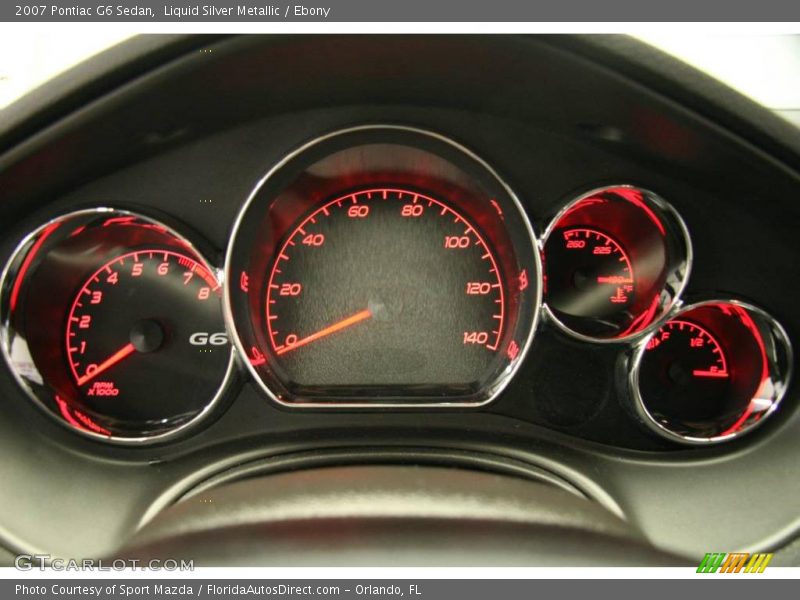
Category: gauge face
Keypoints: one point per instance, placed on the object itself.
(382, 266)
(711, 373)
(132, 332)
(616, 260)
(685, 371)
(112, 322)
(372, 284)
(589, 273)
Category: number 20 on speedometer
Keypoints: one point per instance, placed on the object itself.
(405, 290)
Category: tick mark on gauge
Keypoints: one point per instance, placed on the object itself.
(360, 258)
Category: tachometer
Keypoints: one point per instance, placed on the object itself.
(383, 266)
(113, 323)
(131, 335)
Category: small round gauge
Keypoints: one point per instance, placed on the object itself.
(113, 323)
(590, 273)
(383, 266)
(616, 260)
(711, 373)
(685, 371)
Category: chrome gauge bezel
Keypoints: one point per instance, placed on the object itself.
(675, 285)
(490, 392)
(781, 374)
(8, 334)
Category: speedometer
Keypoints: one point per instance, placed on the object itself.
(383, 266)
(340, 284)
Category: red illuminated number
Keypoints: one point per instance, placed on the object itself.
(82, 347)
(187, 277)
(85, 322)
(477, 288)
(97, 298)
(456, 241)
(513, 350)
(358, 211)
(575, 244)
(475, 337)
(314, 239)
(696, 342)
(290, 289)
(291, 339)
(136, 270)
(602, 250)
(163, 268)
(113, 278)
(412, 210)
(204, 293)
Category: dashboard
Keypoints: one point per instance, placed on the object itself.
(541, 257)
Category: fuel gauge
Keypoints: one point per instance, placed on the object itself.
(713, 372)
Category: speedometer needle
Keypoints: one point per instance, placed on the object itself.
(338, 326)
(107, 363)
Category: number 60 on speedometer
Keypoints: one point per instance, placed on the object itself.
(406, 276)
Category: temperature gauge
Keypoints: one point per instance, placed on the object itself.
(591, 274)
(616, 260)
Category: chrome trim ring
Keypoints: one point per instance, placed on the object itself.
(493, 391)
(8, 334)
(780, 370)
(676, 282)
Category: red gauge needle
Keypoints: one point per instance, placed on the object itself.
(702, 373)
(338, 326)
(614, 279)
(108, 363)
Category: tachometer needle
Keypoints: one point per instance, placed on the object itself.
(338, 326)
(108, 363)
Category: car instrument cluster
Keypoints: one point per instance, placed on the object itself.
(377, 268)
